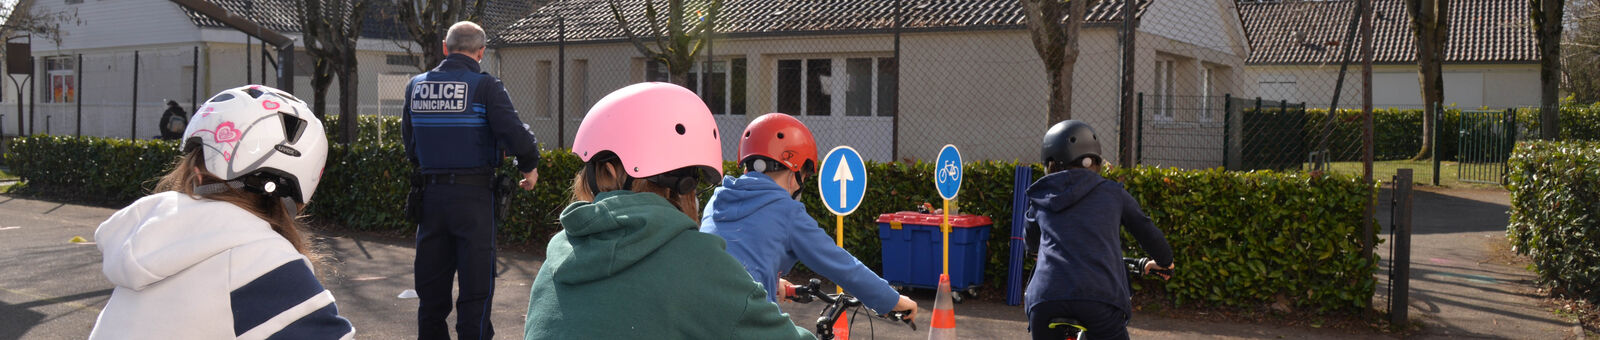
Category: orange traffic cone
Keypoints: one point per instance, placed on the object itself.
(944, 313)
(841, 327)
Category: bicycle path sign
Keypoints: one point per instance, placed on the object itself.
(842, 180)
(948, 172)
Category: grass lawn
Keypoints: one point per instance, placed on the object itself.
(6, 175)
(1421, 172)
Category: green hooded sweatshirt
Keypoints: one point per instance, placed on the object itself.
(632, 266)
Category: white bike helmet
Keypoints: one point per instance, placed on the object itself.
(260, 139)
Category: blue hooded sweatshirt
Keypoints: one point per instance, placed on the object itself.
(768, 231)
(1074, 221)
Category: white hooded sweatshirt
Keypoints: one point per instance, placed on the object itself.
(203, 269)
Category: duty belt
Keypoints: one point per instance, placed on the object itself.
(462, 179)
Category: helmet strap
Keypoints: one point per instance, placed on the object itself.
(213, 188)
(290, 206)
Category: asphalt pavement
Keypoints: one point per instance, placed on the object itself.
(51, 288)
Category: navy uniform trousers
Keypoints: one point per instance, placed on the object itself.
(456, 237)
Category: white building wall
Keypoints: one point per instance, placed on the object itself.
(1467, 86)
(115, 23)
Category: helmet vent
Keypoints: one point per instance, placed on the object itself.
(680, 129)
(254, 93)
(713, 133)
(220, 98)
(780, 135)
(747, 134)
(293, 127)
(1072, 140)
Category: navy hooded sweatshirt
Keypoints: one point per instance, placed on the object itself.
(1074, 221)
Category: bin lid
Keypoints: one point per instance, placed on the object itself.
(956, 221)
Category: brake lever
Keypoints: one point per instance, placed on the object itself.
(900, 316)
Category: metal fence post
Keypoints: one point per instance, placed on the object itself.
(1400, 255)
(194, 82)
(1438, 118)
(1138, 140)
(33, 96)
(1510, 146)
(561, 82)
(1227, 128)
(133, 128)
(78, 95)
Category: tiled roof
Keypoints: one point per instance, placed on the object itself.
(382, 20)
(591, 20)
(1312, 32)
(276, 15)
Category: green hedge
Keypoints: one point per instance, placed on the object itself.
(1246, 238)
(1555, 213)
(1293, 235)
(91, 168)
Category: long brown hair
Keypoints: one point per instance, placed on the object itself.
(190, 172)
(607, 180)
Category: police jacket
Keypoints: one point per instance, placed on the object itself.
(458, 119)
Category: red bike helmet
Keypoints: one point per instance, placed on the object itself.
(777, 138)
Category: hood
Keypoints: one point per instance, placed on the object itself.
(1063, 189)
(615, 231)
(163, 234)
(739, 197)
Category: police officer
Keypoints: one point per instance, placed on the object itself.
(458, 121)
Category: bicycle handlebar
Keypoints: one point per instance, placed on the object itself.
(1136, 267)
(837, 304)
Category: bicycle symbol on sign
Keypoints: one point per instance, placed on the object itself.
(949, 172)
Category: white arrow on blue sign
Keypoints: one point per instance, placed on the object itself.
(947, 172)
(842, 180)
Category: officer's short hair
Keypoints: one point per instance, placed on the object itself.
(464, 36)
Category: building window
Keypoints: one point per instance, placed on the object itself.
(402, 59)
(1163, 101)
(61, 72)
(721, 86)
(541, 89)
(580, 82)
(860, 87)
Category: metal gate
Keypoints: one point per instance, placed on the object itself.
(1484, 145)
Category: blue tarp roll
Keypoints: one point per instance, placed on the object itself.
(1019, 205)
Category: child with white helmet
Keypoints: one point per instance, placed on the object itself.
(630, 263)
(216, 252)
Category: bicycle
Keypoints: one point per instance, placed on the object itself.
(837, 305)
(1135, 269)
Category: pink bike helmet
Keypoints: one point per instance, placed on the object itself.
(660, 132)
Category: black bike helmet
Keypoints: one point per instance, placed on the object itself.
(1068, 142)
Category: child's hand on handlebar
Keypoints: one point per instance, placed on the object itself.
(908, 306)
(1152, 267)
(782, 294)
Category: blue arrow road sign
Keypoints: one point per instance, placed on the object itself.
(842, 180)
(947, 172)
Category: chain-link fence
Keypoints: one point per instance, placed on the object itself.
(123, 92)
(967, 73)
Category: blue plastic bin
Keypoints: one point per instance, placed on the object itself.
(912, 247)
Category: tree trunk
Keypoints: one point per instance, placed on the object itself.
(348, 111)
(1547, 25)
(679, 77)
(321, 79)
(1057, 46)
(1060, 92)
(1430, 26)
